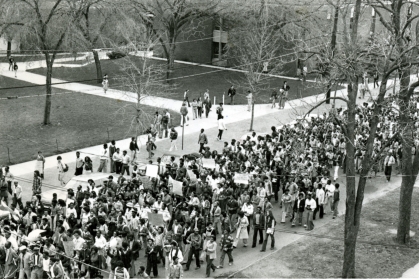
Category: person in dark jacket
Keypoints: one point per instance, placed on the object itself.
(258, 226)
(299, 206)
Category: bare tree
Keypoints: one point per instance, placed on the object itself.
(45, 25)
(168, 19)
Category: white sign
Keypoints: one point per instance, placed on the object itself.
(176, 186)
(241, 178)
(152, 171)
(208, 163)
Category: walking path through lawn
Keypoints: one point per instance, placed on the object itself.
(237, 121)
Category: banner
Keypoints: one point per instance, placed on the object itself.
(192, 176)
(155, 219)
(242, 178)
(176, 186)
(152, 171)
(208, 163)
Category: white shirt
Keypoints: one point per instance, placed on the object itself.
(320, 195)
(312, 203)
(104, 154)
(13, 241)
(117, 157)
(247, 209)
(331, 188)
(100, 242)
(69, 211)
(125, 159)
(221, 125)
(45, 264)
(78, 243)
(18, 191)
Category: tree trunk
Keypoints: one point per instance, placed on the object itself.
(170, 61)
(253, 115)
(48, 87)
(9, 48)
(351, 227)
(98, 66)
(409, 172)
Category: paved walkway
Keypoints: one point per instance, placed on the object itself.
(237, 121)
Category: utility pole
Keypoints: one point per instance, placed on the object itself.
(333, 47)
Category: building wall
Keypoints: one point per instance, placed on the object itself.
(193, 46)
(3, 45)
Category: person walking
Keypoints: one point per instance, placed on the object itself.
(310, 207)
(202, 140)
(105, 83)
(199, 106)
(164, 125)
(388, 163)
(62, 169)
(258, 226)
(221, 127)
(173, 139)
(195, 241)
(40, 163)
(270, 231)
(79, 164)
(284, 98)
(274, 96)
(184, 115)
(207, 105)
(249, 100)
(242, 232)
(103, 165)
(11, 63)
(15, 68)
(112, 150)
(211, 254)
(194, 109)
(226, 245)
(231, 93)
(133, 147)
(117, 159)
(125, 162)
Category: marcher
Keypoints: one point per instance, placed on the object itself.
(221, 127)
(231, 93)
(103, 165)
(202, 140)
(183, 115)
(40, 163)
(211, 255)
(173, 139)
(270, 231)
(62, 169)
(226, 246)
(79, 164)
(105, 83)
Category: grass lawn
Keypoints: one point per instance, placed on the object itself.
(199, 79)
(78, 120)
(315, 257)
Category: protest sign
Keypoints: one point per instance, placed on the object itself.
(152, 170)
(155, 219)
(208, 163)
(176, 186)
(242, 178)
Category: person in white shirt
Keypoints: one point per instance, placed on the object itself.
(330, 190)
(125, 162)
(103, 166)
(61, 166)
(388, 163)
(310, 207)
(18, 194)
(221, 127)
(70, 210)
(320, 197)
(78, 241)
(117, 158)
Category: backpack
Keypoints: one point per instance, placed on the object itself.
(65, 168)
(15, 67)
(165, 119)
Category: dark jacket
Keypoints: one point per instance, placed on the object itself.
(261, 221)
(301, 207)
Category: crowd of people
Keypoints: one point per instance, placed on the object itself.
(112, 227)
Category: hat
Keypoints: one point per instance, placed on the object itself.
(21, 248)
(130, 204)
(196, 230)
(35, 248)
